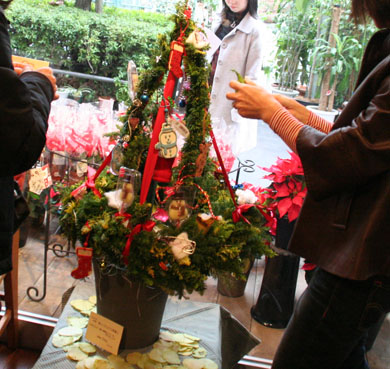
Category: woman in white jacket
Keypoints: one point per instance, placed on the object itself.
(240, 50)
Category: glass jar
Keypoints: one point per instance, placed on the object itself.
(128, 185)
(179, 205)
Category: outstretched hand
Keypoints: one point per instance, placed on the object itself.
(253, 101)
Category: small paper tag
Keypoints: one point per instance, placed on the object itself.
(39, 179)
(104, 333)
(179, 127)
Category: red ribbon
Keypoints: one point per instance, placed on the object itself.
(91, 178)
(147, 226)
(224, 172)
(126, 216)
(238, 213)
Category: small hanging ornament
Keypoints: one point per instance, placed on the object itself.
(144, 98)
(167, 144)
(182, 102)
(198, 39)
(132, 79)
(182, 247)
(126, 138)
(84, 258)
(175, 57)
(179, 127)
(128, 184)
(202, 158)
(204, 222)
(116, 158)
(133, 122)
(179, 205)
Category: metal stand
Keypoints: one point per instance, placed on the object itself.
(57, 248)
(247, 166)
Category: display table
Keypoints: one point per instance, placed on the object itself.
(224, 338)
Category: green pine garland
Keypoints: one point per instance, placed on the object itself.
(222, 247)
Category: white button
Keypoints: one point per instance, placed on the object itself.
(220, 62)
(213, 96)
(224, 45)
(216, 79)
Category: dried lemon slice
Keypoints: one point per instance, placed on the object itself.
(208, 364)
(87, 348)
(170, 356)
(118, 362)
(75, 321)
(133, 357)
(61, 341)
(92, 299)
(82, 305)
(70, 331)
(75, 354)
(199, 353)
(157, 355)
(81, 364)
(192, 338)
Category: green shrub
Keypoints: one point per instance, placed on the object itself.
(81, 41)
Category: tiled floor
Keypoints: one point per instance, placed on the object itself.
(58, 281)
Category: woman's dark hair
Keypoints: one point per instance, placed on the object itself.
(4, 3)
(251, 8)
(378, 10)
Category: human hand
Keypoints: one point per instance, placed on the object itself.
(21, 67)
(48, 72)
(253, 101)
(294, 107)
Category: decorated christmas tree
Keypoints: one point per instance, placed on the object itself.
(162, 216)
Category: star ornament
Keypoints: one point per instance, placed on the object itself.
(181, 246)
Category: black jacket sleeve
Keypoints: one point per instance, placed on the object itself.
(24, 110)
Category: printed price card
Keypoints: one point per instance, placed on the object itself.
(104, 333)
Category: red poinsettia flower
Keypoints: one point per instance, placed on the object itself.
(287, 190)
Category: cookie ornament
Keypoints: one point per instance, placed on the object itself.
(167, 142)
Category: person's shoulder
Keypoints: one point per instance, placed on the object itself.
(249, 24)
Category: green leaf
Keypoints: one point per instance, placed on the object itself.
(302, 5)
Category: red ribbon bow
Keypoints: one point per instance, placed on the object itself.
(92, 175)
(238, 213)
(147, 226)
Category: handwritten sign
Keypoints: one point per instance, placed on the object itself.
(104, 333)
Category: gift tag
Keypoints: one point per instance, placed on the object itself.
(179, 127)
(39, 179)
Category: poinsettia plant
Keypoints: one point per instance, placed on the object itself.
(285, 195)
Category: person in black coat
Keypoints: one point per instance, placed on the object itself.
(25, 98)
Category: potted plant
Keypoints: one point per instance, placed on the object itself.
(287, 190)
(284, 198)
(251, 230)
(327, 50)
(294, 39)
(172, 239)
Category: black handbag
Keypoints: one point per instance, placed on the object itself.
(21, 208)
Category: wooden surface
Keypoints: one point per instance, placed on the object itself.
(17, 358)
